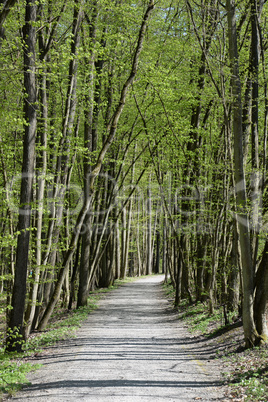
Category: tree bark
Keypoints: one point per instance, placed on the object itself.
(41, 170)
(149, 252)
(261, 297)
(255, 176)
(250, 333)
(15, 325)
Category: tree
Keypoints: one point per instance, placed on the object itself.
(250, 333)
(15, 325)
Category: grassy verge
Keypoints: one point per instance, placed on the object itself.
(247, 370)
(64, 323)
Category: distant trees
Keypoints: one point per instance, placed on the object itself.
(142, 146)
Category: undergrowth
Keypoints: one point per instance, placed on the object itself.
(248, 373)
(63, 324)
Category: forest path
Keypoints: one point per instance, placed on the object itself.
(132, 348)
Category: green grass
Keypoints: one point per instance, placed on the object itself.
(195, 315)
(198, 318)
(13, 371)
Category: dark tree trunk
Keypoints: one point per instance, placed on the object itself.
(234, 275)
(14, 338)
(157, 254)
(90, 143)
(250, 333)
(261, 296)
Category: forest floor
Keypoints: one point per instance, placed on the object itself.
(137, 347)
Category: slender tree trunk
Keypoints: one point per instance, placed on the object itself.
(256, 177)
(41, 167)
(127, 219)
(74, 275)
(164, 247)
(157, 253)
(178, 263)
(15, 324)
(117, 247)
(233, 280)
(90, 143)
(261, 297)
(250, 333)
(201, 254)
(123, 261)
(138, 239)
(149, 259)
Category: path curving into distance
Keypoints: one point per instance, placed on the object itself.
(132, 348)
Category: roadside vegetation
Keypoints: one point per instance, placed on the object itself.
(245, 370)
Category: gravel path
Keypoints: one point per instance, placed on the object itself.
(131, 349)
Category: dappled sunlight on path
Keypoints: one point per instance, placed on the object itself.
(132, 348)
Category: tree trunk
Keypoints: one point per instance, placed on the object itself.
(255, 179)
(149, 252)
(90, 144)
(233, 279)
(157, 253)
(250, 333)
(261, 296)
(123, 261)
(15, 325)
(139, 271)
(41, 167)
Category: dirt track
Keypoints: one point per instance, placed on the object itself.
(132, 348)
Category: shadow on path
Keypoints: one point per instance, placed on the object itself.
(132, 347)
